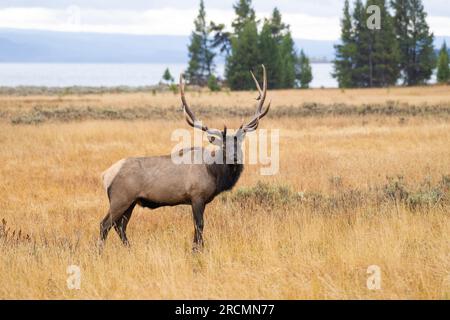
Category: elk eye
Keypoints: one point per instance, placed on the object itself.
(213, 139)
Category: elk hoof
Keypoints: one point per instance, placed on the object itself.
(100, 246)
(197, 248)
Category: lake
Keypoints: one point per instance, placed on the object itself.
(86, 74)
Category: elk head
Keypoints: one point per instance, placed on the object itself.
(230, 145)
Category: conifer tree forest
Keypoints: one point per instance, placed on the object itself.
(399, 52)
(249, 43)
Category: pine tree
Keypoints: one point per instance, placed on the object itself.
(304, 74)
(269, 55)
(360, 66)
(244, 57)
(277, 52)
(288, 61)
(200, 54)
(244, 54)
(286, 55)
(269, 44)
(246, 49)
(276, 24)
(443, 69)
(244, 13)
(221, 38)
(345, 51)
(385, 55)
(401, 24)
(167, 76)
(415, 41)
(193, 73)
(376, 54)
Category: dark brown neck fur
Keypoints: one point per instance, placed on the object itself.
(226, 175)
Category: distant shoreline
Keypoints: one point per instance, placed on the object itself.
(130, 75)
(23, 91)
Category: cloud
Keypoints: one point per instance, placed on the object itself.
(324, 8)
(168, 21)
(313, 28)
(439, 25)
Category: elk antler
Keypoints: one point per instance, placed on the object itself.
(252, 125)
(190, 117)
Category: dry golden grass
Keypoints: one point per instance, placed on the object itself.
(433, 95)
(51, 190)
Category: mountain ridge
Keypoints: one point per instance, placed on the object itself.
(40, 46)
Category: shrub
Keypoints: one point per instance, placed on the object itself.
(426, 195)
(395, 189)
(213, 84)
(10, 236)
(264, 194)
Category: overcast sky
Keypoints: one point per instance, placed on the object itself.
(318, 19)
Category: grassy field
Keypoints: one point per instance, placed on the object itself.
(364, 180)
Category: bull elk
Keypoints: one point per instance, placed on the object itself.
(154, 182)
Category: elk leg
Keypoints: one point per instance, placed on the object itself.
(121, 225)
(114, 214)
(198, 208)
(105, 225)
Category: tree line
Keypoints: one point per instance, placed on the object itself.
(400, 50)
(245, 47)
